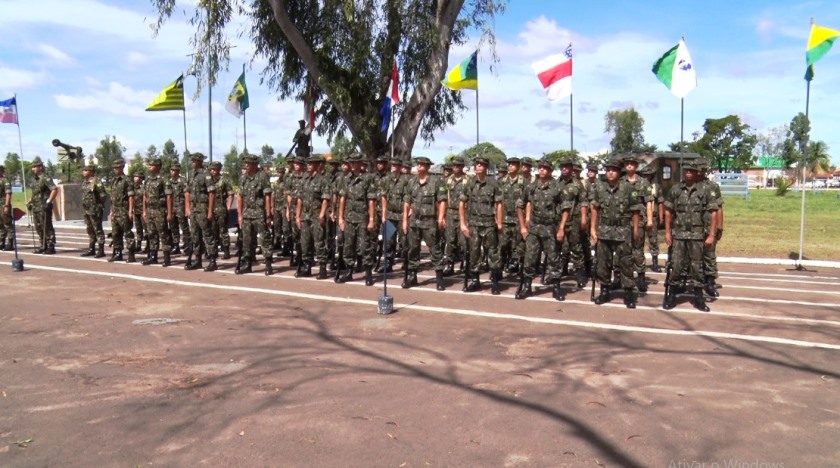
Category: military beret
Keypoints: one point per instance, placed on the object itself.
(546, 162)
(36, 161)
(577, 166)
(527, 161)
(119, 162)
(502, 168)
(250, 159)
(335, 160)
(630, 158)
(216, 165)
(423, 160)
(564, 160)
(280, 168)
(315, 159)
(458, 160)
(197, 157)
(691, 165)
(154, 162)
(293, 159)
(396, 162)
(481, 160)
(139, 173)
(592, 167)
(615, 162)
(175, 167)
(647, 170)
(704, 164)
(383, 159)
(355, 157)
(513, 160)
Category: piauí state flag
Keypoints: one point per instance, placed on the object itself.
(676, 71)
(819, 43)
(238, 99)
(392, 98)
(464, 75)
(171, 98)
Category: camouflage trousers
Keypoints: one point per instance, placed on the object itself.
(609, 253)
(374, 247)
(254, 229)
(511, 245)
(44, 227)
(572, 245)
(202, 232)
(312, 242)
(429, 235)
(585, 246)
(653, 240)
(139, 227)
(710, 261)
(121, 228)
(157, 230)
(541, 239)
(219, 228)
(93, 225)
(281, 227)
(456, 243)
(638, 252)
(7, 230)
(688, 260)
(294, 232)
(356, 243)
(484, 238)
(178, 226)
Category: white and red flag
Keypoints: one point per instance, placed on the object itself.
(555, 74)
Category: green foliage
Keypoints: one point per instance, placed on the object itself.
(627, 129)
(488, 150)
(108, 151)
(727, 142)
(346, 50)
(557, 155)
(798, 134)
(342, 146)
(231, 165)
(137, 164)
(170, 155)
(782, 186)
(267, 154)
(13, 166)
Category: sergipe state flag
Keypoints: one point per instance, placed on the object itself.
(676, 70)
(391, 99)
(555, 74)
(8, 111)
(464, 75)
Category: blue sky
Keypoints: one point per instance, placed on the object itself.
(88, 68)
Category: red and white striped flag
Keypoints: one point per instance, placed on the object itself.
(555, 74)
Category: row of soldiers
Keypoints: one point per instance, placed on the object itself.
(518, 222)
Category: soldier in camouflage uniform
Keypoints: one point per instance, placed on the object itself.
(481, 217)
(93, 203)
(222, 193)
(278, 200)
(139, 178)
(690, 226)
(588, 186)
(423, 219)
(511, 244)
(40, 205)
(616, 211)
(642, 187)
(7, 229)
(574, 196)
(710, 270)
(331, 231)
(290, 186)
(180, 221)
(356, 218)
(312, 205)
(157, 213)
(539, 208)
(393, 188)
(340, 180)
(525, 167)
(254, 204)
(122, 204)
(456, 243)
(197, 196)
(378, 178)
(649, 173)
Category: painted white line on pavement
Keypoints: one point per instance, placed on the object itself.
(465, 312)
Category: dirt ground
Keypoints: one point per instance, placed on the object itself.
(123, 365)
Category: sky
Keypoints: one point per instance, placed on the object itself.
(85, 69)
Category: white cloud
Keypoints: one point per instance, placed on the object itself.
(12, 79)
(137, 58)
(55, 56)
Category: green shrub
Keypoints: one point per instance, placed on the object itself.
(782, 186)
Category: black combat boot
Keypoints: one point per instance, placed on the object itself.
(269, 270)
(565, 270)
(243, 268)
(131, 258)
(581, 278)
(307, 269)
(322, 271)
(40, 250)
(603, 296)
(101, 252)
(116, 256)
(226, 253)
(616, 283)
(10, 245)
(146, 248)
(494, 282)
(3, 245)
(699, 300)
(439, 280)
(587, 267)
(654, 266)
(211, 265)
(524, 288)
(194, 264)
(293, 262)
(710, 288)
(176, 250)
(558, 293)
(475, 283)
(450, 268)
(410, 280)
(151, 259)
(641, 283)
(167, 258)
(629, 298)
(670, 300)
(344, 276)
(90, 252)
(368, 276)
(50, 250)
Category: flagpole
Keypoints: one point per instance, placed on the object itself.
(184, 114)
(244, 118)
(476, 115)
(682, 138)
(803, 149)
(571, 124)
(210, 114)
(20, 158)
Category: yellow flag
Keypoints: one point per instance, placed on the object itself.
(171, 98)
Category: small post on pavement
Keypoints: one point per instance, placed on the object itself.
(386, 302)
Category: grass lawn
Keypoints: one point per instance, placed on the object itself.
(765, 226)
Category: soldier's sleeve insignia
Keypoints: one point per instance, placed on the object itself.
(635, 193)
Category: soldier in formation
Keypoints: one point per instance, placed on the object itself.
(179, 226)
(157, 214)
(7, 230)
(93, 204)
(40, 205)
(455, 241)
(139, 178)
(392, 192)
(197, 196)
(356, 218)
(221, 192)
(423, 219)
(481, 217)
(122, 208)
(312, 205)
(254, 206)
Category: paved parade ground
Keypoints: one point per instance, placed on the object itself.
(124, 365)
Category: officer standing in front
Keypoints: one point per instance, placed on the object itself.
(122, 207)
(157, 213)
(40, 205)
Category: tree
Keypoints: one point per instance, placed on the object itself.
(267, 154)
(488, 150)
(627, 129)
(13, 165)
(818, 159)
(772, 142)
(50, 169)
(794, 145)
(342, 147)
(728, 143)
(170, 153)
(108, 151)
(232, 166)
(136, 164)
(346, 50)
(557, 155)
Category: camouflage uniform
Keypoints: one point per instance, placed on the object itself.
(615, 206)
(290, 187)
(511, 244)
(42, 212)
(280, 221)
(199, 186)
(544, 198)
(155, 192)
(653, 235)
(643, 188)
(313, 191)
(710, 269)
(93, 196)
(574, 196)
(219, 226)
(422, 199)
(139, 223)
(481, 199)
(357, 191)
(456, 243)
(180, 222)
(7, 230)
(252, 191)
(393, 189)
(121, 190)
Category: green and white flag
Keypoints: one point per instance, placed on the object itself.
(238, 99)
(676, 71)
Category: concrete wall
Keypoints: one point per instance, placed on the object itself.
(69, 202)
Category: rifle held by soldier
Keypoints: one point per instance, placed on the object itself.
(592, 293)
(669, 269)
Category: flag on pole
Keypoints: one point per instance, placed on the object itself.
(8, 111)
(676, 71)
(464, 75)
(819, 43)
(237, 101)
(392, 98)
(171, 98)
(309, 105)
(555, 74)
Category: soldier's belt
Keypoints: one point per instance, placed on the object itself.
(544, 221)
(616, 222)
